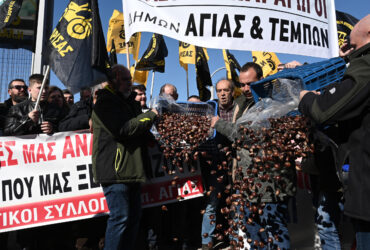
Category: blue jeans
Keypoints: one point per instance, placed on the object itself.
(124, 203)
(327, 218)
(211, 207)
(274, 221)
(362, 229)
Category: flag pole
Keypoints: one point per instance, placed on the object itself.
(212, 88)
(151, 88)
(127, 56)
(46, 75)
(133, 74)
(187, 83)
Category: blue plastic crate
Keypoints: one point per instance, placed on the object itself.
(315, 76)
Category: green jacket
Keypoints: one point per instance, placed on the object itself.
(121, 131)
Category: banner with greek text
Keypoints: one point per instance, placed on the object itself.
(48, 179)
(303, 27)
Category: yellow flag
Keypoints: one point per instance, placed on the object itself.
(139, 76)
(186, 54)
(116, 31)
(267, 60)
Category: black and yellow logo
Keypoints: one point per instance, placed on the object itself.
(78, 27)
(185, 45)
(341, 38)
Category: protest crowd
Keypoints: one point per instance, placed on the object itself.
(248, 170)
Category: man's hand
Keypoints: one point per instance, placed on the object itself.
(304, 92)
(34, 115)
(289, 65)
(345, 49)
(292, 64)
(155, 111)
(47, 128)
(214, 120)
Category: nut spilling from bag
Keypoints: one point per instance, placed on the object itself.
(268, 175)
(180, 136)
(179, 130)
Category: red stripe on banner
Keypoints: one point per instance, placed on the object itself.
(164, 192)
(32, 214)
(86, 206)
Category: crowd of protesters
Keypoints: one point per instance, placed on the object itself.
(117, 114)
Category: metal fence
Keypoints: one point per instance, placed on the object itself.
(14, 63)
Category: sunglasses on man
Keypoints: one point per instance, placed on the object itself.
(18, 87)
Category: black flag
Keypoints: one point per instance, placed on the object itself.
(76, 49)
(153, 57)
(113, 54)
(203, 75)
(231, 66)
(345, 23)
(9, 10)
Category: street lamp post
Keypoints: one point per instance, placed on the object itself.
(212, 87)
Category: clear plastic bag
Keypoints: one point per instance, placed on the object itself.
(165, 104)
(284, 98)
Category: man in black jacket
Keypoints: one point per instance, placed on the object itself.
(22, 119)
(348, 104)
(17, 90)
(121, 131)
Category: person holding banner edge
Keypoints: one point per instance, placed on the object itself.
(120, 133)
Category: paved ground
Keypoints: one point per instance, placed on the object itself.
(302, 234)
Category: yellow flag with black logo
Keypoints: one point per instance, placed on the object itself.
(139, 76)
(116, 31)
(186, 54)
(76, 49)
(267, 60)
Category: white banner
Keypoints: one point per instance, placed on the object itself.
(48, 179)
(302, 27)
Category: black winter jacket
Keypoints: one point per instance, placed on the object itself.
(121, 133)
(17, 121)
(348, 103)
(78, 117)
(4, 109)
